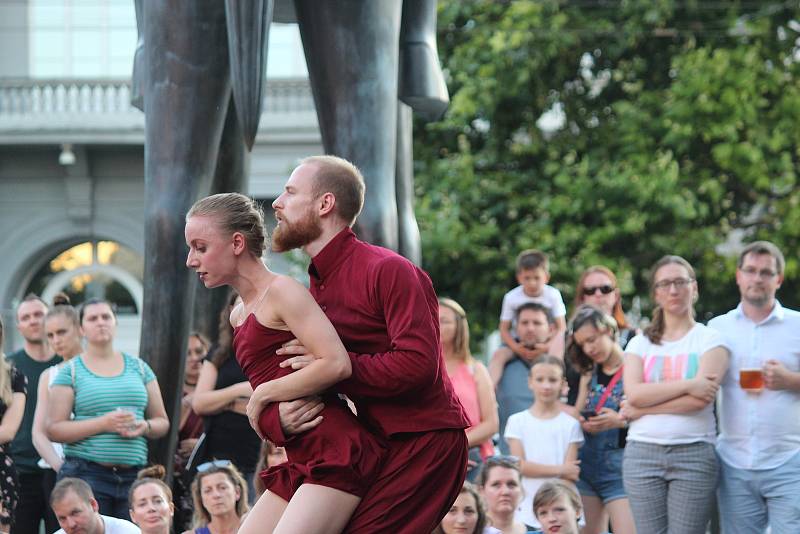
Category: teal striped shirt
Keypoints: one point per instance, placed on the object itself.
(97, 395)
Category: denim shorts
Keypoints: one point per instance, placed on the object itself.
(601, 475)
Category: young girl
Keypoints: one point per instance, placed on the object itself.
(543, 437)
(592, 348)
(331, 466)
(672, 373)
(557, 507)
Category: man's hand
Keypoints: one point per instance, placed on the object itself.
(531, 353)
(300, 415)
(299, 356)
(777, 376)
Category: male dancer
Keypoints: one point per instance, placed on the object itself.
(385, 310)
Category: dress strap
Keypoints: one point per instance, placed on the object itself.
(261, 298)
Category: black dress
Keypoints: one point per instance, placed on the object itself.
(9, 485)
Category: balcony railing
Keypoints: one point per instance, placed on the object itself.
(33, 106)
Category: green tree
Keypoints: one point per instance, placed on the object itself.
(678, 133)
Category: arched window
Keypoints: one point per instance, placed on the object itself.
(94, 269)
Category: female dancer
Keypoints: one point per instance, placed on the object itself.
(331, 466)
(117, 406)
(672, 374)
(12, 407)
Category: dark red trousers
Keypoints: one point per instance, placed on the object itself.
(421, 477)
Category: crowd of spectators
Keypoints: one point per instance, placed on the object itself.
(580, 422)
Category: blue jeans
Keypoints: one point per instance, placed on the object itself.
(110, 485)
(749, 498)
(601, 467)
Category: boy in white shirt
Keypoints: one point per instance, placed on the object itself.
(532, 274)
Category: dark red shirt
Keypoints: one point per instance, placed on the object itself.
(386, 312)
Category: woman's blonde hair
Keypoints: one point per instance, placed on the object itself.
(5, 372)
(201, 516)
(235, 212)
(461, 341)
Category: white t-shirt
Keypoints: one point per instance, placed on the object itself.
(545, 441)
(672, 361)
(550, 299)
(114, 525)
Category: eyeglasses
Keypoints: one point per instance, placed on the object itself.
(591, 290)
(763, 273)
(202, 468)
(678, 283)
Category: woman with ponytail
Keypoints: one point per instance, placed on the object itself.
(150, 501)
(12, 407)
(63, 330)
(671, 377)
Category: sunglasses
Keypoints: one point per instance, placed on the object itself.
(202, 468)
(591, 290)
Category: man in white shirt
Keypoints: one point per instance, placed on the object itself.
(76, 509)
(759, 442)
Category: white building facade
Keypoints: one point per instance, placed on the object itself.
(72, 154)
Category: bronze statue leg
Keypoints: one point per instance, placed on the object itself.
(186, 92)
(351, 48)
(404, 182)
(233, 168)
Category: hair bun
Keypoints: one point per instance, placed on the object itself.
(61, 299)
(156, 471)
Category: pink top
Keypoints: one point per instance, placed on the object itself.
(466, 389)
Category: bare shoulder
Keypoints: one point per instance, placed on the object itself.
(285, 287)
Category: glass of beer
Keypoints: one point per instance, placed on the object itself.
(751, 379)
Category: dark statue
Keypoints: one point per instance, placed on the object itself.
(199, 76)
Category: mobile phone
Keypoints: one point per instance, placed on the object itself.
(586, 414)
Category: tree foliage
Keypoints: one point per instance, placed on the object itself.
(678, 134)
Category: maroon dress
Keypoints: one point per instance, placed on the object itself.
(339, 453)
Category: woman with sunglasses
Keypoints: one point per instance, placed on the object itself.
(672, 374)
(500, 484)
(592, 348)
(597, 286)
(219, 493)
